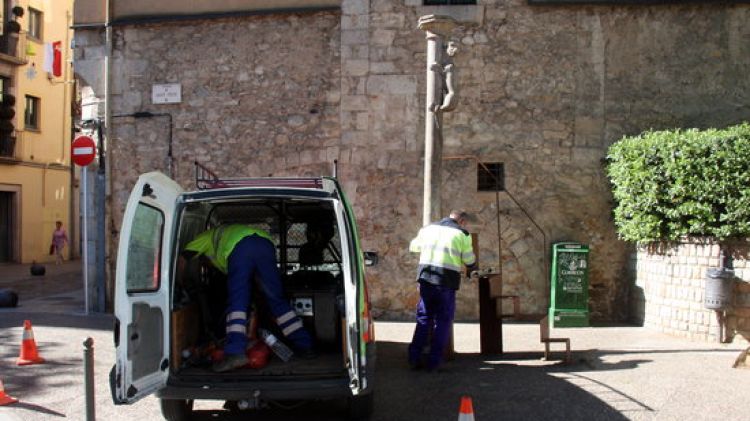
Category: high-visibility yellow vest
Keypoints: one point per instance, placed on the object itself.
(444, 247)
(217, 243)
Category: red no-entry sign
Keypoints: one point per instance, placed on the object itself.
(83, 150)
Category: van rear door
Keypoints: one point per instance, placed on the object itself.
(142, 289)
(348, 247)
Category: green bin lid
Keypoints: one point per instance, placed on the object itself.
(571, 246)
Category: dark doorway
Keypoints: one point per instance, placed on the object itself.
(6, 226)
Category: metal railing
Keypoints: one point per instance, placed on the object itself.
(13, 47)
(205, 179)
(8, 145)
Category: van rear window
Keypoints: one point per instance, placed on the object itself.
(144, 250)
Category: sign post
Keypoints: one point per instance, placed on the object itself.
(83, 151)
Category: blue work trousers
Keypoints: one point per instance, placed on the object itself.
(435, 311)
(257, 255)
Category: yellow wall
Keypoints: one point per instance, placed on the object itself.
(52, 143)
(43, 168)
(44, 198)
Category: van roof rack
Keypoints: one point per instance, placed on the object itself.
(206, 179)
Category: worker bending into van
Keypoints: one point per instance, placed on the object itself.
(240, 252)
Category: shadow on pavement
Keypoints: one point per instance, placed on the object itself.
(30, 407)
(514, 385)
(500, 389)
(330, 411)
(30, 380)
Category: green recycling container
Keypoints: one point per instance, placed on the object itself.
(569, 293)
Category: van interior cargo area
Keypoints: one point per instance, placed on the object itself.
(308, 246)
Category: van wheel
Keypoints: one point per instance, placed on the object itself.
(360, 407)
(177, 409)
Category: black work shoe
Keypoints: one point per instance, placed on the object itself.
(229, 363)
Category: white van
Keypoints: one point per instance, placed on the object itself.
(163, 324)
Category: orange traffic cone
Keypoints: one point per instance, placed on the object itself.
(5, 399)
(466, 413)
(29, 354)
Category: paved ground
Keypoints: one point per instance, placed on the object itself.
(619, 372)
(57, 279)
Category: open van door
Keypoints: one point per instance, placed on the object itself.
(351, 275)
(142, 289)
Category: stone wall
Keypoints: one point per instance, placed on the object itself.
(544, 89)
(670, 289)
(260, 96)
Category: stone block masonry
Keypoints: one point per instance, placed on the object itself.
(544, 90)
(669, 290)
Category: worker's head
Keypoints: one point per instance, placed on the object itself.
(58, 224)
(462, 217)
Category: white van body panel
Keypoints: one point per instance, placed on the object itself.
(142, 295)
(350, 291)
(155, 228)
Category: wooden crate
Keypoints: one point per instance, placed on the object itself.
(185, 331)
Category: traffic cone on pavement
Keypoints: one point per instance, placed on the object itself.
(466, 413)
(29, 354)
(5, 399)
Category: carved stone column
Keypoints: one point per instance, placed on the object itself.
(436, 29)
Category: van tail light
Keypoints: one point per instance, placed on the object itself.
(368, 328)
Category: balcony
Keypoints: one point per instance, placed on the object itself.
(13, 48)
(8, 148)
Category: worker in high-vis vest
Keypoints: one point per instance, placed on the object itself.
(241, 252)
(444, 248)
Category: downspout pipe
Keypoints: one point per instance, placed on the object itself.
(107, 134)
(65, 139)
(101, 236)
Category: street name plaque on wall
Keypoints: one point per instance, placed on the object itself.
(166, 93)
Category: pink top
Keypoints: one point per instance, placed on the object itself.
(59, 238)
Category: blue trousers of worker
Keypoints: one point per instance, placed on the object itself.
(253, 256)
(435, 311)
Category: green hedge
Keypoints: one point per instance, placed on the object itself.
(670, 184)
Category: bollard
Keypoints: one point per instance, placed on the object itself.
(88, 373)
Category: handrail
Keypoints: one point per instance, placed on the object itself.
(205, 178)
(497, 205)
(8, 147)
(13, 47)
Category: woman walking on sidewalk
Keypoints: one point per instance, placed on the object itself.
(59, 239)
